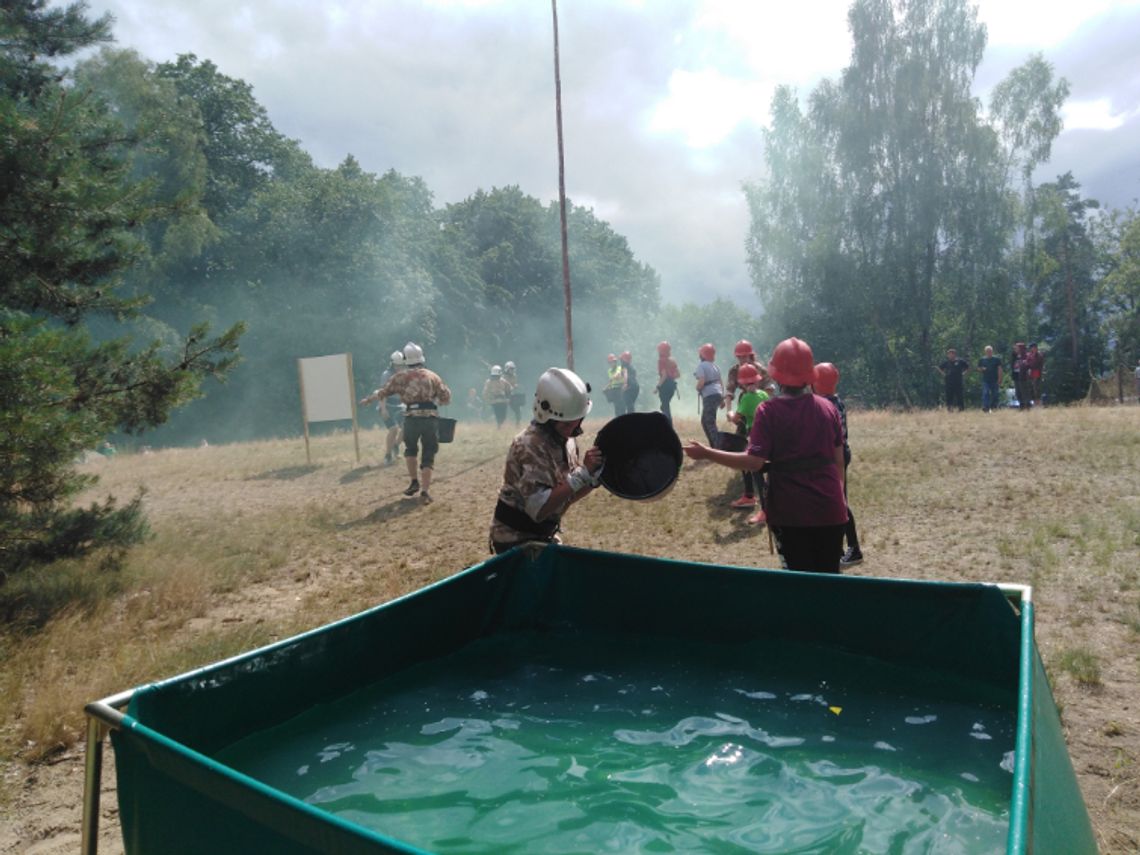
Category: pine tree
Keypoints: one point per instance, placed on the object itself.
(71, 221)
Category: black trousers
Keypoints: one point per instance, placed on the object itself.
(815, 549)
(954, 396)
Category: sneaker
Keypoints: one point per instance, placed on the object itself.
(743, 502)
(413, 488)
(850, 558)
(425, 498)
(758, 518)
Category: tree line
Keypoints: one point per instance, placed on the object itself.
(157, 233)
(899, 216)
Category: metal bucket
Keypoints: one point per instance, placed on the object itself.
(643, 455)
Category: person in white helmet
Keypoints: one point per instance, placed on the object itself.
(421, 391)
(545, 472)
(496, 394)
(391, 410)
(511, 375)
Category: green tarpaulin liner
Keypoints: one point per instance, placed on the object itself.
(173, 798)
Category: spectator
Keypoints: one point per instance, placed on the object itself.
(990, 366)
(1019, 367)
(952, 369)
(1035, 363)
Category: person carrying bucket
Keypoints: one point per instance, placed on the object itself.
(422, 392)
(545, 472)
(797, 439)
(711, 389)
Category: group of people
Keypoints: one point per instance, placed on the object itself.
(796, 438)
(622, 386)
(794, 459)
(785, 443)
(1027, 365)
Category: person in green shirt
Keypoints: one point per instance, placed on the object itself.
(752, 396)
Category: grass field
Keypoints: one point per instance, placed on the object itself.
(251, 544)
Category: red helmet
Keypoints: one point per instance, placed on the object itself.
(748, 374)
(707, 352)
(826, 378)
(792, 363)
(743, 348)
(626, 356)
(611, 358)
(664, 349)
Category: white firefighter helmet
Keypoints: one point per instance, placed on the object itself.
(496, 371)
(509, 367)
(413, 354)
(397, 357)
(561, 396)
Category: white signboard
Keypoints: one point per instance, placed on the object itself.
(326, 388)
(327, 393)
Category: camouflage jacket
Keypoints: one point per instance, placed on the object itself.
(538, 460)
(497, 390)
(417, 386)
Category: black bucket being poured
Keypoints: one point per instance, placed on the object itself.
(643, 455)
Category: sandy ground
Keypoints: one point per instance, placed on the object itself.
(369, 535)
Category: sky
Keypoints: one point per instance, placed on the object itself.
(663, 101)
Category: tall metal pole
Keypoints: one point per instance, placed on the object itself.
(562, 196)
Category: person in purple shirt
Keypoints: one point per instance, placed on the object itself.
(797, 439)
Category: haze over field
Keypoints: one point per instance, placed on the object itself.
(664, 102)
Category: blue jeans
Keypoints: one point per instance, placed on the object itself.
(989, 396)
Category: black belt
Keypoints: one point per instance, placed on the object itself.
(512, 517)
(422, 405)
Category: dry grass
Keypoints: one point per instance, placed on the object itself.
(252, 544)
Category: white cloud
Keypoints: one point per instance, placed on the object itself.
(1095, 115)
(1041, 24)
(706, 106)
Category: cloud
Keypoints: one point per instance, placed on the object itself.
(663, 100)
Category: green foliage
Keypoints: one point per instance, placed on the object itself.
(882, 231)
(1064, 268)
(72, 220)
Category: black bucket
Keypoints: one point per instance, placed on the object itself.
(731, 441)
(643, 455)
(446, 429)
